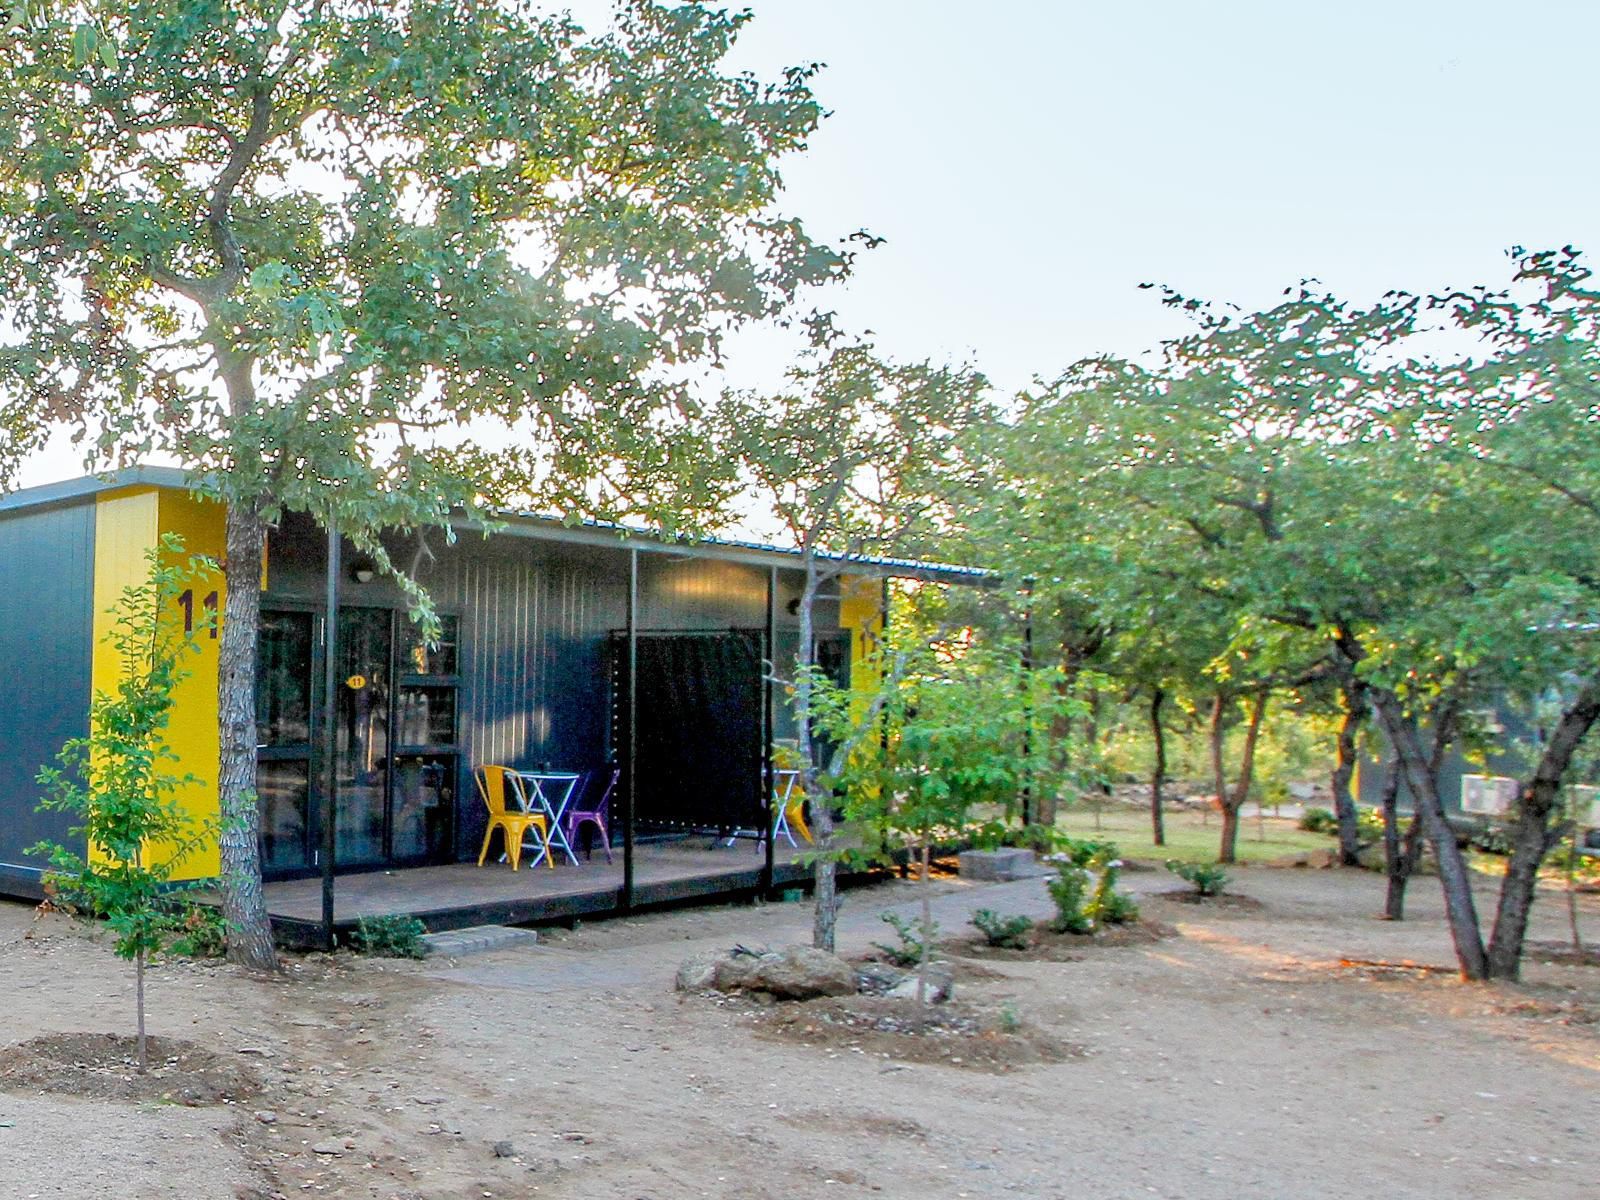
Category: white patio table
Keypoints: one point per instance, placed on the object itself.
(551, 793)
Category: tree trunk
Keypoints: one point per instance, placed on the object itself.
(1453, 878)
(138, 1000)
(1533, 834)
(1394, 901)
(1230, 835)
(1572, 893)
(1158, 773)
(1400, 854)
(1344, 804)
(1219, 779)
(825, 913)
(1234, 802)
(927, 930)
(243, 905)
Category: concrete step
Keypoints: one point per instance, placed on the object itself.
(478, 939)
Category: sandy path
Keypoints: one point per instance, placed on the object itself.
(1234, 1060)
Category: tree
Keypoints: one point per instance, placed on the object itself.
(1363, 502)
(855, 459)
(337, 256)
(962, 726)
(119, 781)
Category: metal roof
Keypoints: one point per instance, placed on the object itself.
(530, 525)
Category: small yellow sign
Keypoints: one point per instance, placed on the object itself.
(356, 682)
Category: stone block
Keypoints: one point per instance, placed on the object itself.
(996, 865)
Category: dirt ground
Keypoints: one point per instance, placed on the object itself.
(1235, 1057)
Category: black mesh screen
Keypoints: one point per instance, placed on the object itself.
(698, 758)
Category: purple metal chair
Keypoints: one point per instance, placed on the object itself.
(596, 814)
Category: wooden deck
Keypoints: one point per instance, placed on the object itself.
(462, 894)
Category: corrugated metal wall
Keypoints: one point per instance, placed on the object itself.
(535, 619)
(46, 581)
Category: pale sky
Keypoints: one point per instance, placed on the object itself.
(1030, 163)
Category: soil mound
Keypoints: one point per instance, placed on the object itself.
(103, 1066)
(954, 1034)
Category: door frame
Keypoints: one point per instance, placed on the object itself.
(318, 810)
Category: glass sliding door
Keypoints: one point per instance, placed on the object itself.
(284, 673)
(395, 745)
(426, 761)
(361, 740)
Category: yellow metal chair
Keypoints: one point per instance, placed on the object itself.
(492, 783)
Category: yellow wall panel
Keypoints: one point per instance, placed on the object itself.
(127, 524)
(861, 612)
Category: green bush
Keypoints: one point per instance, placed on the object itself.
(390, 937)
(1107, 906)
(1085, 888)
(1585, 867)
(1491, 837)
(908, 951)
(1083, 852)
(1069, 889)
(202, 933)
(1319, 820)
(1008, 933)
(1208, 879)
(1369, 824)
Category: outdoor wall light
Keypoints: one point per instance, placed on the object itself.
(362, 573)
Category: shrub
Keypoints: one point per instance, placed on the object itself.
(391, 937)
(908, 951)
(1208, 878)
(1082, 852)
(1008, 933)
(1491, 837)
(202, 933)
(1369, 824)
(1107, 906)
(1069, 889)
(1319, 820)
(1084, 889)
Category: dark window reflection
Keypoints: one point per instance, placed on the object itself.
(284, 792)
(424, 798)
(419, 658)
(427, 716)
(283, 679)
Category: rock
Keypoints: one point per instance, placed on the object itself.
(331, 1149)
(266, 1117)
(504, 1150)
(802, 973)
(877, 979)
(794, 973)
(1010, 863)
(941, 978)
(699, 973)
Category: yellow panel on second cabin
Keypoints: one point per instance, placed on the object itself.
(861, 612)
(127, 525)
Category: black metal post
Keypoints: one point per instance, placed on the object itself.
(768, 782)
(633, 730)
(330, 716)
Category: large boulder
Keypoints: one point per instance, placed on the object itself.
(793, 973)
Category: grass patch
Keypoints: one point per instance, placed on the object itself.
(1189, 837)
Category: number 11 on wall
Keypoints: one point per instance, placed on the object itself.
(209, 603)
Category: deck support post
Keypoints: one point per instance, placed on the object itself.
(767, 728)
(633, 730)
(330, 717)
